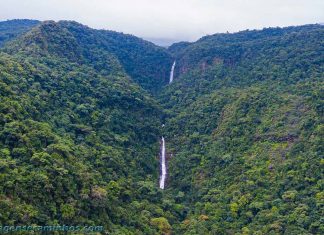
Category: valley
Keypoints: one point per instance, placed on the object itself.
(89, 119)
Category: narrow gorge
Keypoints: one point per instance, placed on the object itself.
(218, 136)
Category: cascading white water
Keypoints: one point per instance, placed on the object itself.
(171, 73)
(163, 165)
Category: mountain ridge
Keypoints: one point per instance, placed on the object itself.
(83, 112)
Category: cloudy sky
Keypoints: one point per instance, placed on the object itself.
(173, 20)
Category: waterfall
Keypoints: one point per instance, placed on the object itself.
(171, 73)
(163, 165)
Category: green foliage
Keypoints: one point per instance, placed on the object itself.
(162, 224)
(80, 130)
(11, 29)
(243, 126)
(76, 139)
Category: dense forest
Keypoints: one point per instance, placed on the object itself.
(82, 113)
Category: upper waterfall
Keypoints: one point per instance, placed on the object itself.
(163, 165)
(171, 73)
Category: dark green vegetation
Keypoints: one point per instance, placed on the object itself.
(13, 28)
(79, 139)
(80, 123)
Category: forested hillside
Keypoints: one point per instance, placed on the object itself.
(11, 29)
(245, 128)
(81, 122)
(78, 138)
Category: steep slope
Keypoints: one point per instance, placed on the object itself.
(232, 49)
(80, 132)
(11, 29)
(245, 129)
(147, 64)
(281, 55)
(78, 140)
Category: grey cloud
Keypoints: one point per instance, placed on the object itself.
(170, 19)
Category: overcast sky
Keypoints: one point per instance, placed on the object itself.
(170, 19)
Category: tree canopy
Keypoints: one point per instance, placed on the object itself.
(81, 117)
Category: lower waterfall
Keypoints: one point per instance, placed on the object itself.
(163, 165)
